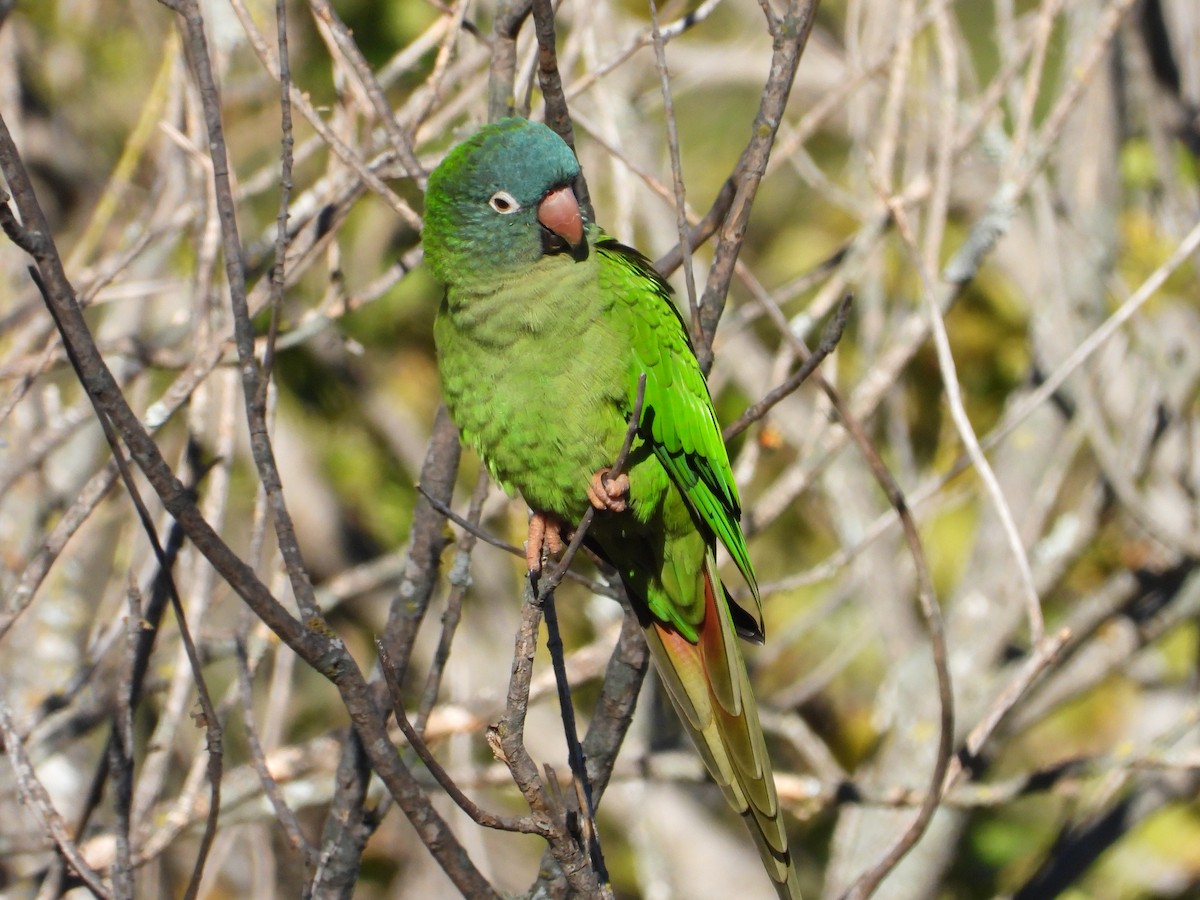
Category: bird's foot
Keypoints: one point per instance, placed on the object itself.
(545, 538)
(606, 492)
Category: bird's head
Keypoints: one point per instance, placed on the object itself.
(500, 201)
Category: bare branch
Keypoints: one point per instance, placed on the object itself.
(522, 825)
(789, 34)
(38, 801)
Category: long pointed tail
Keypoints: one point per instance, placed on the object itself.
(709, 686)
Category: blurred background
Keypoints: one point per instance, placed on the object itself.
(1009, 189)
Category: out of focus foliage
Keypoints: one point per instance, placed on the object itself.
(1068, 131)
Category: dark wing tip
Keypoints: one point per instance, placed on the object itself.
(748, 627)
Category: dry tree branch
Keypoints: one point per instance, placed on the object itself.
(320, 648)
(1129, 307)
(829, 341)
(254, 378)
(346, 832)
(345, 44)
(502, 73)
(982, 239)
(345, 153)
(558, 117)
(463, 522)
(789, 34)
(984, 233)
(287, 143)
(203, 363)
(644, 38)
(901, 79)
(531, 824)
(613, 714)
(441, 66)
(211, 721)
(459, 580)
(681, 225)
(38, 566)
(1043, 657)
(120, 752)
(427, 540)
(901, 64)
(1021, 410)
(870, 880)
(283, 812)
(507, 738)
(508, 733)
(979, 243)
(966, 433)
(148, 619)
(1033, 80)
(38, 802)
(348, 823)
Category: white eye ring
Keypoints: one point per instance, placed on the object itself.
(504, 203)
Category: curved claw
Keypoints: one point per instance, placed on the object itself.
(608, 493)
(545, 538)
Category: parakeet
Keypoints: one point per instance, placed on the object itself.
(543, 332)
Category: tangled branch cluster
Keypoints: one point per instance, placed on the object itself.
(940, 259)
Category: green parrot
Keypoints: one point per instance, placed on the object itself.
(545, 329)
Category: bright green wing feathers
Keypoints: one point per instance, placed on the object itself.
(677, 412)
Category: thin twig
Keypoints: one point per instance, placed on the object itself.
(1095, 340)
(594, 586)
(211, 722)
(507, 738)
(37, 800)
(502, 73)
(148, 619)
(460, 579)
(286, 145)
(253, 376)
(590, 838)
(685, 246)
(1042, 657)
(520, 824)
(465, 523)
(829, 341)
(345, 153)
(966, 433)
(120, 750)
(866, 884)
(427, 540)
(344, 41)
(510, 731)
(283, 812)
(558, 116)
(319, 647)
(789, 34)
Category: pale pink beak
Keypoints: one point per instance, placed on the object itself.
(559, 211)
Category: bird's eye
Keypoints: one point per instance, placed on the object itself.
(504, 203)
